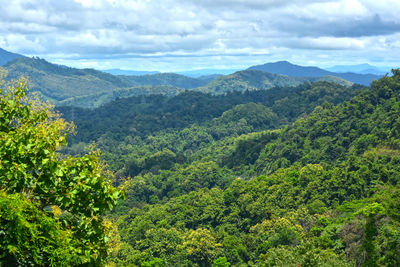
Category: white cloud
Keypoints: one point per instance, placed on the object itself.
(327, 43)
(17, 42)
(367, 29)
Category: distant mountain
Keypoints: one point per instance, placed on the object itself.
(207, 72)
(129, 72)
(6, 56)
(286, 68)
(250, 80)
(360, 68)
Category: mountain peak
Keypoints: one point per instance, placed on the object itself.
(282, 62)
(287, 68)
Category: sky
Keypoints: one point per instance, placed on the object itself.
(177, 35)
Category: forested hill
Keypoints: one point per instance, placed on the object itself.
(323, 191)
(57, 82)
(90, 88)
(258, 80)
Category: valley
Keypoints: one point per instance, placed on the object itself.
(252, 168)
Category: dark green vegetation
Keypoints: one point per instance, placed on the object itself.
(322, 191)
(129, 129)
(286, 68)
(288, 176)
(51, 205)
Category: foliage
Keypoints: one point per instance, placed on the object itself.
(305, 175)
(58, 201)
(23, 221)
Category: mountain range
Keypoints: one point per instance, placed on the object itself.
(64, 85)
(287, 68)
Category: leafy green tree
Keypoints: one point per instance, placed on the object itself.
(61, 198)
(221, 262)
(201, 246)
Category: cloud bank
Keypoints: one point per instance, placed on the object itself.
(182, 34)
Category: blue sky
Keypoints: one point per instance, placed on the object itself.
(176, 35)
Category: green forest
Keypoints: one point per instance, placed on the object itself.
(305, 174)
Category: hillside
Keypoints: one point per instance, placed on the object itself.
(6, 56)
(91, 88)
(172, 79)
(286, 68)
(250, 80)
(57, 83)
(98, 99)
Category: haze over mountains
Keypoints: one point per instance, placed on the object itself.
(6, 56)
(128, 72)
(286, 68)
(64, 85)
(360, 68)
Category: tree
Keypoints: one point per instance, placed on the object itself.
(50, 204)
(201, 246)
